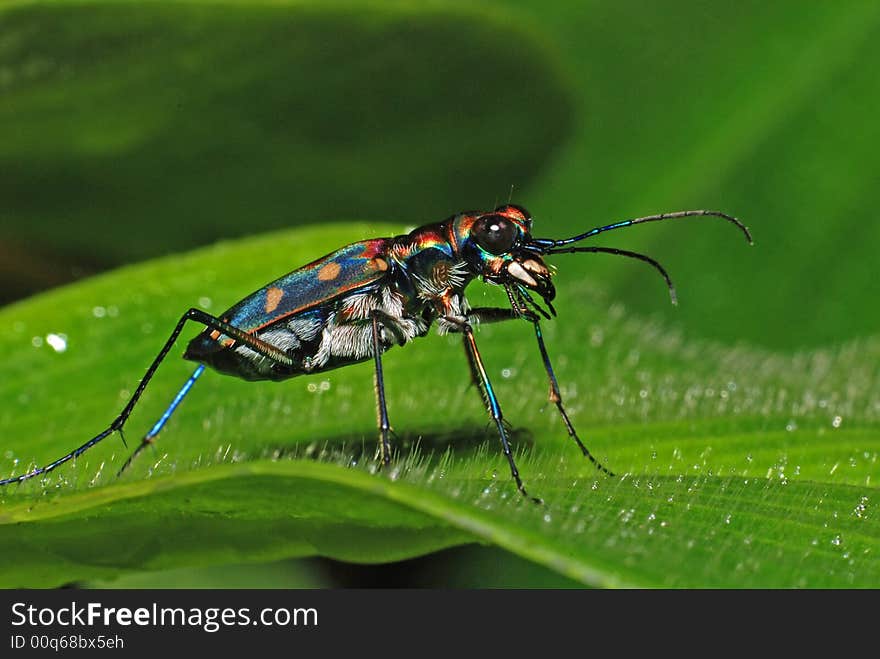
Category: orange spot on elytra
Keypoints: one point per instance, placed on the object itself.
(329, 272)
(273, 297)
(379, 264)
(215, 335)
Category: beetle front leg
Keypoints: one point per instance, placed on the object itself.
(492, 315)
(556, 398)
(484, 315)
(494, 408)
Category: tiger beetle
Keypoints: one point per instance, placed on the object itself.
(357, 302)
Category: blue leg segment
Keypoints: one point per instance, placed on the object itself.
(184, 390)
(491, 315)
(160, 423)
(479, 373)
(193, 314)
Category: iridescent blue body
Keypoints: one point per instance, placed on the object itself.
(357, 302)
(321, 314)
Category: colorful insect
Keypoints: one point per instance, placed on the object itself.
(357, 302)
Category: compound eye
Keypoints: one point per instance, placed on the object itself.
(514, 209)
(495, 233)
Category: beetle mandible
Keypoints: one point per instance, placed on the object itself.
(357, 302)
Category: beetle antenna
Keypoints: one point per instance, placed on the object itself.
(622, 252)
(547, 243)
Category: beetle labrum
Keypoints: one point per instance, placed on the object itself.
(357, 302)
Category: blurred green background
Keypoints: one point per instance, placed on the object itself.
(130, 130)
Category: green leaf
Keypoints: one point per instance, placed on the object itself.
(736, 466)
(275, 575)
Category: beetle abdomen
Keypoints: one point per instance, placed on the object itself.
(298, 337)
(316, 340)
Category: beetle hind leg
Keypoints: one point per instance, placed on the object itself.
(117, 425)
(197, 315)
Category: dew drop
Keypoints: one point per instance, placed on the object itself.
(58, 342)
(861, 508)
(836, 421)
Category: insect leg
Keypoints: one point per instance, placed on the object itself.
(492, 402)
(484, 315)
(258, 346)
(475, 374)
(117, 424)
(382, 410)
(184, 390)
(150, 437)
(491, 314)
(556, 398)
